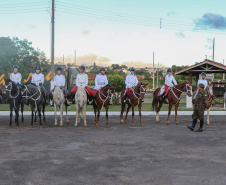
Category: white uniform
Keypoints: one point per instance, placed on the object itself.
(16, 77)
(59, 80)
(100, 81)
(82, 80)
(201, 81)
(169, 79)
(37, 78)
(131, 80)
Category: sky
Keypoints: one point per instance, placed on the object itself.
(125, 32)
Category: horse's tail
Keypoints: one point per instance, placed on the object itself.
(155, 99)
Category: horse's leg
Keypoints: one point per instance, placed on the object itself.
(67, 114)
(11, 114)
(22, 112)
(61, 114)
(84, 116)
(122, 110)
(77, 115)
(35, 116)
(140, 105)
(40, 116)
(98, 116)
(170, 107)
(129, 106)
(95, 112)
(55, 114)
(157, 113)
(17, 115)
(32, 116)
(106, 107)
(176, 107)
(132, 115)
(208, 116)
(43, 112)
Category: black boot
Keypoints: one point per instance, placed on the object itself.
(193, 125)
(201, 126)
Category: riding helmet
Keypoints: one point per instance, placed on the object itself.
(59, 69)
(132, 69)
(169, 70)
(102, 69)
(37, 68)
(16, 66)
(82, 67)
(203, 73)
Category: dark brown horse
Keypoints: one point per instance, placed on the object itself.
(135, 98)
(101, 99)
(173, 98)
(209, 91)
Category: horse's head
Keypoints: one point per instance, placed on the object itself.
(141, 88)
(11, 88)
(209, 89)
(187, 88)
(107, 88)
(25, 94)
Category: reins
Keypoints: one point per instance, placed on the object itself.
(10, 95)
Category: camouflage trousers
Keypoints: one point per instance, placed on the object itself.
(198, 114)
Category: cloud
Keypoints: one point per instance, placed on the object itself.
(86, 32)
(211, 21)
(209, 44)
(170, 13)
(180, 35)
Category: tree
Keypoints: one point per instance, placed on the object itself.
(117, 81)
(14, 51)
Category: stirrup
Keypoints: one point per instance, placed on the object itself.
(51, 103)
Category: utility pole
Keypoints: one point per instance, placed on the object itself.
(223, 73)
(153, 70)
(213, 47)
(75, 58)
(158, 76)
(52, 45)
(63, 59)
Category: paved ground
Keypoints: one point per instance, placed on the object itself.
(120, 154)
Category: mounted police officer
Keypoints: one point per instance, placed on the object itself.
(169, 81)
(131, 81)
(200, 102)
(38, 79)
(59, 80)
(82, 80)
(202, 81)
(100, 81)
(15, 76)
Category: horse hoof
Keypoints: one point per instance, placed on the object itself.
(76, 125)
(55, 124)
(157, 121)
(68, 122)
(61, 125)
(208, 123)
(168, 123)
(177, 123)
(85, 125)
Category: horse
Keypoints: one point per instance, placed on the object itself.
(1, 98)
(33, 96)
(209, 91)
(59, 100)
(80, 104)
(13, 95)
(173, 98)
(101, 98)
(135, 98)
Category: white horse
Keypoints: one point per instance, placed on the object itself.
(59, 100)
(80, 104)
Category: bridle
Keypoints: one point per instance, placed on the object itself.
(28, 96)
(106, 97)
(209, 94)
(139, 95)
(185, 89)
(10, 91)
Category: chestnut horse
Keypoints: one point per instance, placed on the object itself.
(101, 98)
(209, 91)
(135, 98)
(173, 98)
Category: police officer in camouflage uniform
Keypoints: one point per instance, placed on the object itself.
(199, 107)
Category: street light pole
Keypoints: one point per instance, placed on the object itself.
(52, 45)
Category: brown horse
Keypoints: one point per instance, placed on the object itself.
(101, 99)
(209, 91)
(135, 98)
(173, 98)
